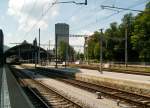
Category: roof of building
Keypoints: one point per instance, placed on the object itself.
(24, 47)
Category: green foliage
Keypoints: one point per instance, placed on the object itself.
(97, 51)
(138, 29)
(65, 51)
(140, 38)
(79, 56)
(92, 49)
(148, 5)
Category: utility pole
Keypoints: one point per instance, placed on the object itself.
(87, 50)
(49, 53)
(49, 44)
(39, 48)
(35, 51)
(126, 45)
(47, 57)
(19, 53)
(56, 50)
(101, 51)
(67, 55)
(85, 38)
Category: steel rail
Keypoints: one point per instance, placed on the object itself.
(129, 97)
(46, 88)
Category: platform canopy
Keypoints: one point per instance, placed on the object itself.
(26, 51)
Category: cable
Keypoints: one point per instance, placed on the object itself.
(23, 5)
(33, 6)
(104, 18)
(20, 12)
(41, 17)
(73, 2)
(76, 11)
(108, 16)
(91, 10)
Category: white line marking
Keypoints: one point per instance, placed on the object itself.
(5, 100)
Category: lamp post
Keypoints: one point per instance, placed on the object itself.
(126, 46)
(101, 52)
(56, 50)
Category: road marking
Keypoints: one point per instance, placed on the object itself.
(5, 100)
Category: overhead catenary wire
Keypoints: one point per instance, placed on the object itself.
(73, 2)
(119, 8)
(30, 11)
(73, 14)
(17, 15)
(88, 12)
(41, 17)
(95, 22)
(23, 5)
(109, 16)
(32, 8)
(93, 13)
(44, 13)
(76, 11)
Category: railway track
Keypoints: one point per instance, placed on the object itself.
(135, 100)
(42, 96)
(36, 99)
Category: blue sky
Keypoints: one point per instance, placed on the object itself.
(19, 19)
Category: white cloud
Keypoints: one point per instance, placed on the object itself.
(8, 38)
(2, 18)
(78, 42)
(28, 13)
(74, 19)
(86, 32)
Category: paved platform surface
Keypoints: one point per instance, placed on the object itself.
(15, 95)
(114, 75)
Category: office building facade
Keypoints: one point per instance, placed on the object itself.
(62, 33)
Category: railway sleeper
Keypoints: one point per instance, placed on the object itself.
(119, 94)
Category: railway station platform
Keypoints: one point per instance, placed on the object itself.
(11, 94)
(139, 84)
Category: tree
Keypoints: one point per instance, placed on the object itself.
(94, 39)
(65, 51)
(113, 44)
(97, 51)
(140, 38)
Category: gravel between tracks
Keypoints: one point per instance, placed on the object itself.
(77, 94)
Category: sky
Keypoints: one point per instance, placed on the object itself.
(21, 19)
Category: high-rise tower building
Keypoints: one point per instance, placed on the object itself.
(62, 32)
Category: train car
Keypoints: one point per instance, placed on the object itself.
(13, 60)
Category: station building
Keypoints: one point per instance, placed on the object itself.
(26, 52)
